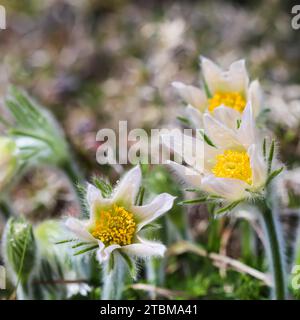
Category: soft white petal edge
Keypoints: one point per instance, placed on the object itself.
(230, 189)
(220, 134)
(103, 253)
(195, 116)
(234, 79)
(190, 94)
(145, 249)
(149, 212)
(246, 132)
(190, 176)
(78, 227)
(228, 116)
(255, 95)
(258, 166)
(128, 187)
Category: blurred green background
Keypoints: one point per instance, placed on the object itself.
(93, 63)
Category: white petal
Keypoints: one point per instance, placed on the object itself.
(149, 212)
(255, 95)
(95, 200)
(186, 148)
(93, 194)
(235, 79)
(192, 95)
(145, 249)
(227, 116)
(191, 177)
(246, 132)
(128, 187)
(230, 189)
(103, 253)
(219, 133)
(195, 116)
(238, 76)
(258, 166)
(79, 228)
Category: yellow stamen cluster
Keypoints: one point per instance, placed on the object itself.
(115, 226)
(233, 164)
(232, 100)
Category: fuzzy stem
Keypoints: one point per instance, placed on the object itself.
(275, 250)
(113, 276)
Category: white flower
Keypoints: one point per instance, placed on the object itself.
(234, 166)
(8, 160)
(116, 223)
(230, 90)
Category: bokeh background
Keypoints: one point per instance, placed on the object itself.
(93, 63)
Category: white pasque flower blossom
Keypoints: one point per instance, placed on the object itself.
(116, 222)
(234, 166)
(8, 160)
(230, 90)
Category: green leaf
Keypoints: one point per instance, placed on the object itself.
(65, 241)
(230, 207)
(86, 250)
(140, 197)
(265, 148)
(105, 187)
(273, 175)
(206, 88)
(184, 120)
(271, 155)
(193, 201)
(80, 244)
(206, 139)
(130, 263)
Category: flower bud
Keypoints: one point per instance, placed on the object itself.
(19, 249)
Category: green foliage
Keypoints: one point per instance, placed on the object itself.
(20, 249)
(37, 134)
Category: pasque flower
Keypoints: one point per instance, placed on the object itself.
(233, 162)
(116, 222)
(8, 160)
(226, 94)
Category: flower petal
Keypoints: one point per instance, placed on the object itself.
(145, 249)
(95, 201)
(93, 194)
(228, 116)
(79, 228)
(258, 166)
(255, 95)
(219, 133)
(246, 132)
(149, 212)
(195, 116)
(128, 187)
(192, 95)
(186, 148)
(103, 253)
(190, 176)
(235, 79)
(230, 189)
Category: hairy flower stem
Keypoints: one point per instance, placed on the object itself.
(273, 244)
(113, 276)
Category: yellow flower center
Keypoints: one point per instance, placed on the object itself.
(233, 164)
(232, 100)
(115, 226)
